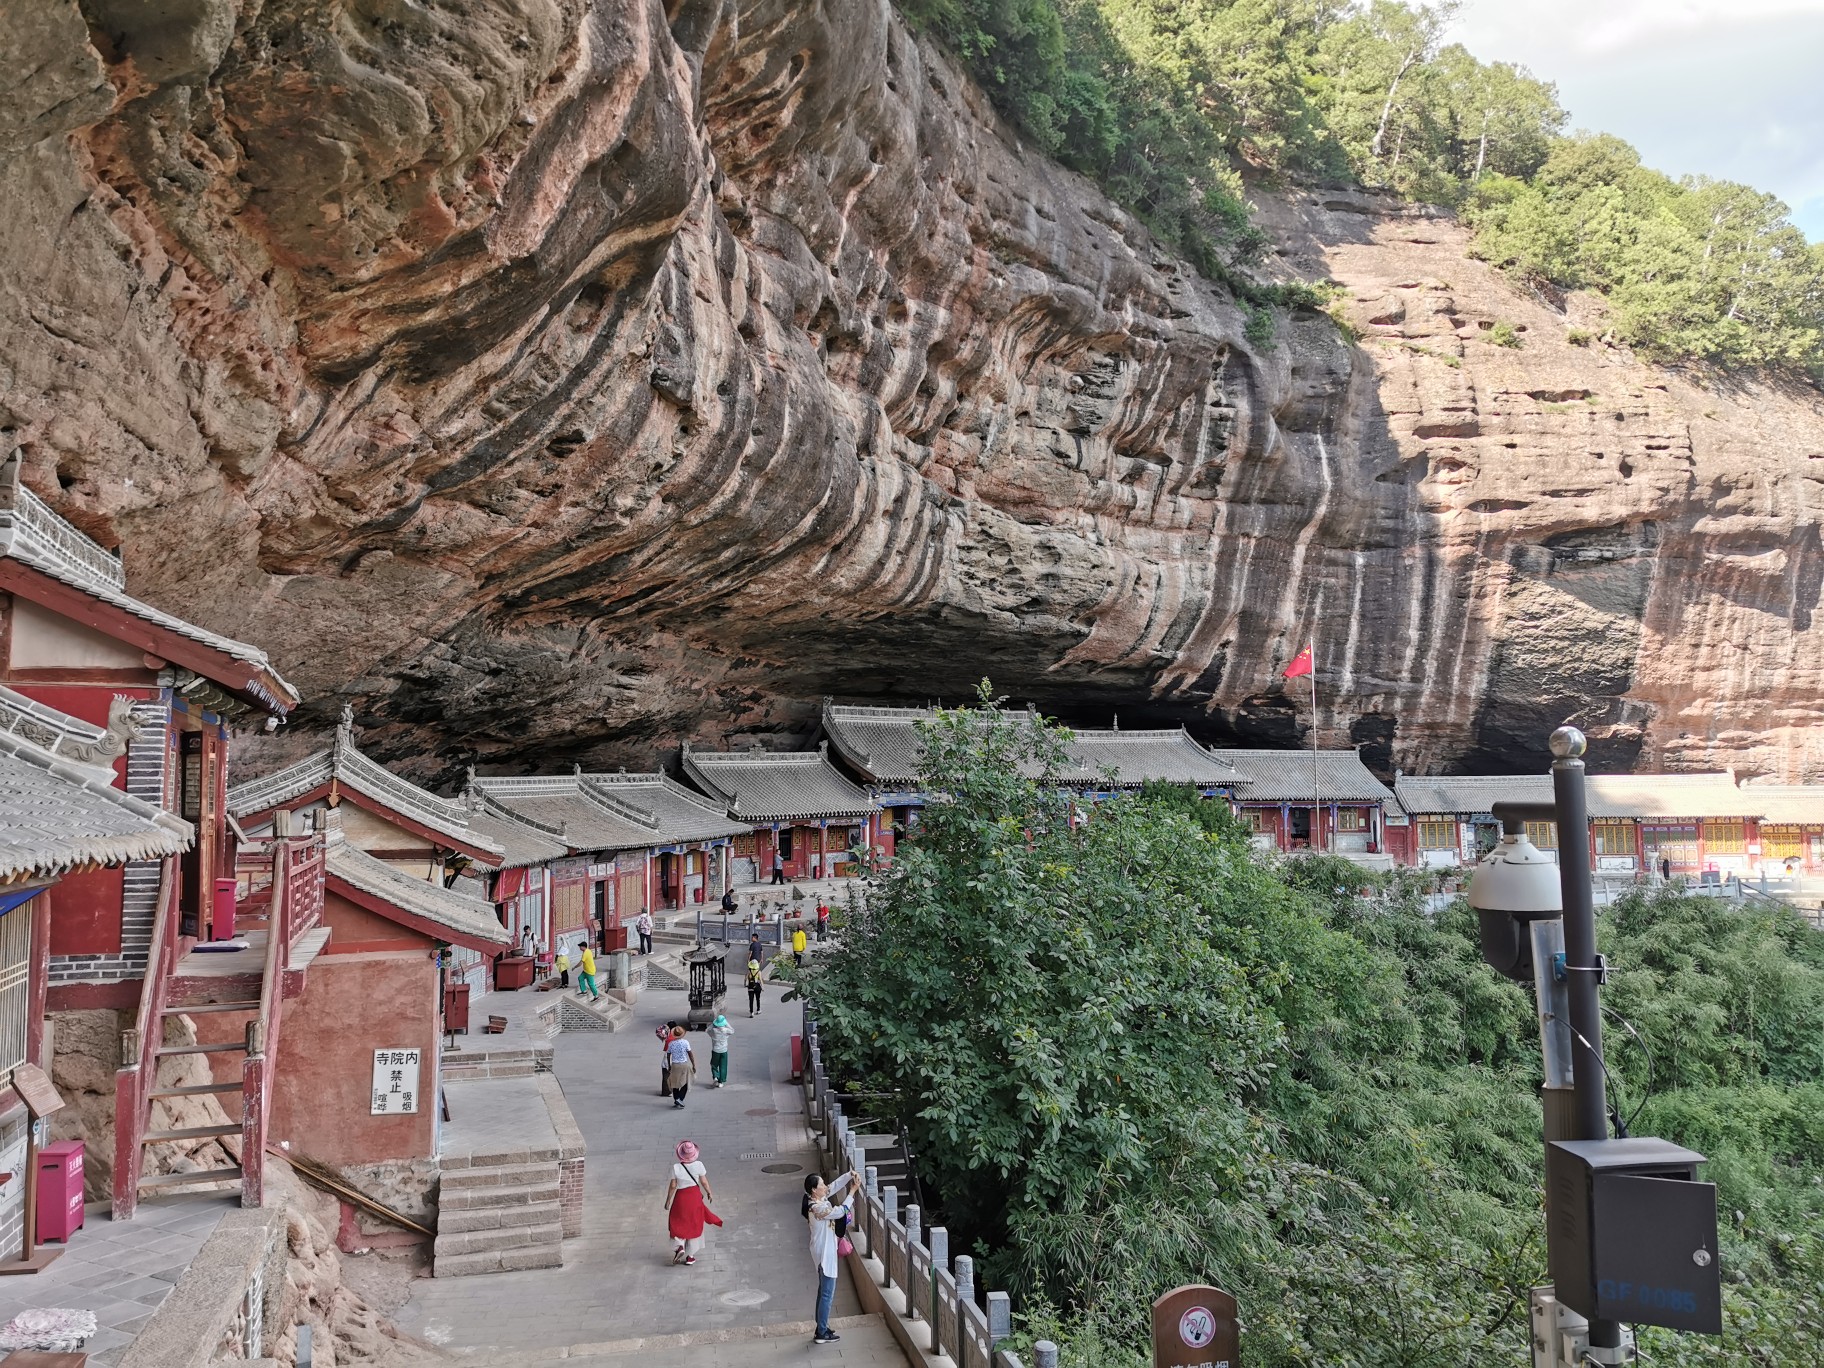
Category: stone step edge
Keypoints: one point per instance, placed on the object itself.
(498, 1261)
(501, 1238)
(500, 1172)
(465, 1220)
(495, 1199)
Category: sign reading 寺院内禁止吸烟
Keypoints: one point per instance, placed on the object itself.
(395, 1090)
(1196, 1327)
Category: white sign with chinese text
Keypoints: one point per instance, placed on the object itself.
(396, 1082)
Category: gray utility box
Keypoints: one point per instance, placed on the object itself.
(1631, 1233)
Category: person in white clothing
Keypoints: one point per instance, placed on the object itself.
(684, 1203)
(643, 925)
(822, 1210)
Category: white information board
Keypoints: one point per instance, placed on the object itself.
(396, 1082)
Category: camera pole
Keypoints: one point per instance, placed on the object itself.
(1587, 1074)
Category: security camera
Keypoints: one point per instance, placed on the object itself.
(1514, 885)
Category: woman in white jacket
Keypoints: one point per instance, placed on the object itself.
(821, 1210)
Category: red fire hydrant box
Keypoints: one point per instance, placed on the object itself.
(60, 1190)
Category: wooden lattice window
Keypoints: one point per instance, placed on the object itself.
(1726, 838)
(1437, 834)
(15, 986)
(1783, 842)
(1613, 838)
(1543, 834)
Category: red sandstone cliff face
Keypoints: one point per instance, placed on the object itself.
(559, 378)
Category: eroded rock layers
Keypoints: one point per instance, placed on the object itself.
(560, 378)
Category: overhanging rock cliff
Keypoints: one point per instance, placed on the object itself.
(561, 378)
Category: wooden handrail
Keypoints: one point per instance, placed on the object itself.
(263, 1033)
(139, 1045)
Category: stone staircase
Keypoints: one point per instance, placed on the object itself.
(498, 1217)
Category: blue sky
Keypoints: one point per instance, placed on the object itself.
(1732, 89)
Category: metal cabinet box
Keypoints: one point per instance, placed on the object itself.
(1631, 1233)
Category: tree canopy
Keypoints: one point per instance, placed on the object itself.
(1132, 1051)
(1167, 103)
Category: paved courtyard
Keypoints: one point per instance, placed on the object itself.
(618, 1282)
(120, 1272)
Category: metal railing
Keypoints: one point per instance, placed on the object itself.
(904, 1255)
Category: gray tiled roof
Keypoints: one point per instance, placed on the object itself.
(676, 814)
(1787, 804)
(883, 744)
(563, 804)
(1608, 796)
(522, 842)
(469, 919)
(1279, 776)
(352, 770)
(775, 786)
(1424, 795)
(1669, 795)
(1139, 757)
(56, 814)
(32, 534)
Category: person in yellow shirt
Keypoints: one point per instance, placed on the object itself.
(585, 978)
(563, 969)
(798, 945)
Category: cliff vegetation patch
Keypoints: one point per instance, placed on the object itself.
(1169, 106)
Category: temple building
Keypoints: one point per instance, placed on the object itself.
(798, 808)
(1294, 800)
(416, 832)
(125, 937)
(60, 816)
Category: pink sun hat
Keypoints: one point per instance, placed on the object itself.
(687, 1152)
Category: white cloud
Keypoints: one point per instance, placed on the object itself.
(1724, 88)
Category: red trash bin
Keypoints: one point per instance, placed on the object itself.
(221, 913)
(60, 1190)
(456, 1007)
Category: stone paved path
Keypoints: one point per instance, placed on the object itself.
(121, 1272)
(865, 1340)
(618, 1282)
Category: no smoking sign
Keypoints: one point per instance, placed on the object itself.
(1195, 1327)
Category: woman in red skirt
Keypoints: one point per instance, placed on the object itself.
(684, 1200)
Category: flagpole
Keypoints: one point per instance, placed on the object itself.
(1317, 795)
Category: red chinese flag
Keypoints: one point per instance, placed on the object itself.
(1301, 664)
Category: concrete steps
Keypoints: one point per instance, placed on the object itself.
(496, 1218)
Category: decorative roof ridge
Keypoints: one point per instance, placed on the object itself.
(26, 518)
(526, 783)
(71, 737)
(359, 766)
(618, 808)
(873, 710)
(94, 779)
(269, 790)
(487, 802)
(1289, 752)
(760, 757)
(1126, 734)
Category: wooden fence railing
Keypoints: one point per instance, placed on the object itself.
(940, 1292)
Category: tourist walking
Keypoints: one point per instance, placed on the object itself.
(643, 924)
(563, 968)
(720, 1033)
(778, 868)
(683, 1066)
(664, 1035)
(684, 1201)
(821, 1211)
(798, 946)
(754, 950)
(753, 987)
(823, 922)
(585, 976)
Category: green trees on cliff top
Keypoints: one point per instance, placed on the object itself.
(1165, 103)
